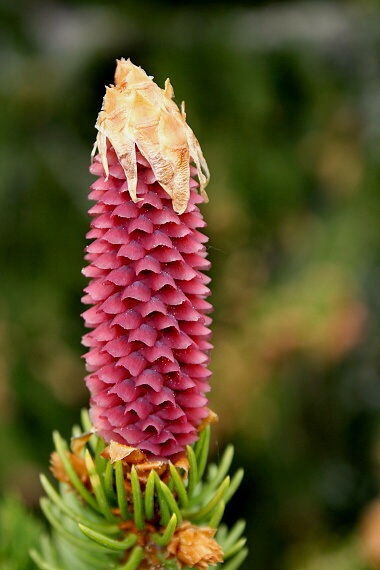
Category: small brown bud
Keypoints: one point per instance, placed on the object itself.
(195, 546)
(76, 461)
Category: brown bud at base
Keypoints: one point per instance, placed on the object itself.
(195, 546)
(76, 461)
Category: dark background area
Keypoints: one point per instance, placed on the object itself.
(284, 98)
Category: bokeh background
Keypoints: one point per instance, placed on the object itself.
(285, 100)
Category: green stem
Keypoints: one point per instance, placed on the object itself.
(164, 539)
(164, 510)
(134, 559)
(235, 482)
(107, 542)
(179, 485)
(172, 503)
(108, 483)
(98, 488)
(202, 451)
(149, 497)
(138, 504)
(41, 563)
(120, 491)
(61, 448)
(221, 472)
(72, 539)
(237, 560)
(212, 503)
(235, 548)
(193, 471)
(217, 516)
(234, 534)
(57, 500)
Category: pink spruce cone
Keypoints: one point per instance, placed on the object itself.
(149, 348)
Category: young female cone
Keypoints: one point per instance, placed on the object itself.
(149, 346)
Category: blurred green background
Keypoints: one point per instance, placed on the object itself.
(285, 100)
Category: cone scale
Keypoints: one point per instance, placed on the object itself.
(149, 347)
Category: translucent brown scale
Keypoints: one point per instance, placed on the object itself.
(149, 347)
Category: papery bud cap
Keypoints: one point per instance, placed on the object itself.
(137, 112)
